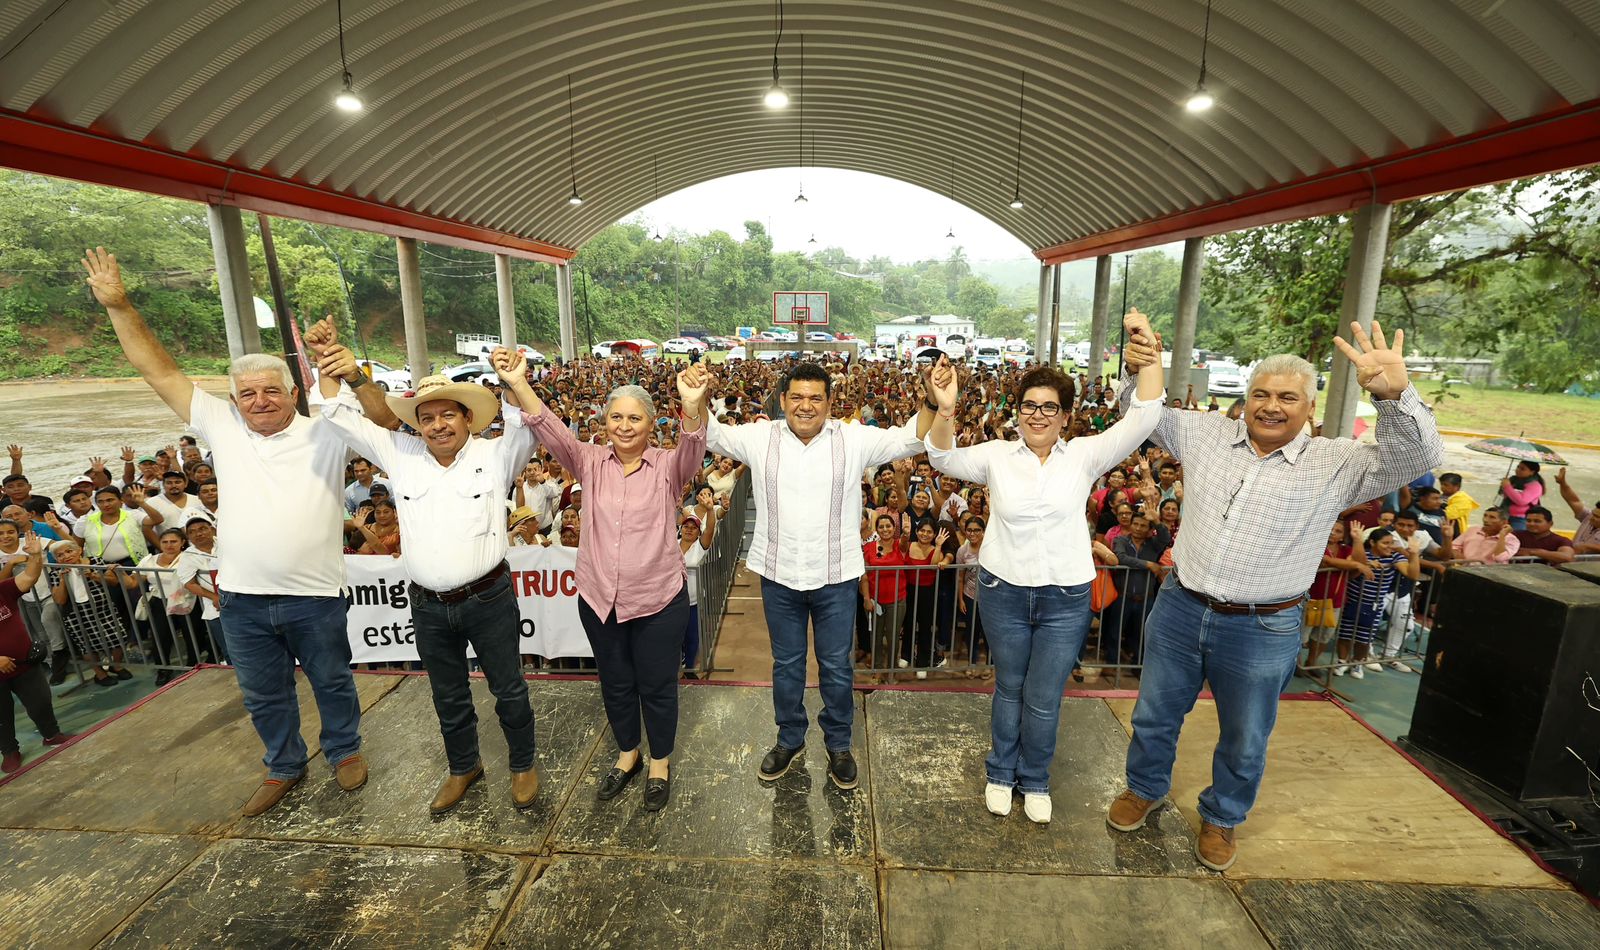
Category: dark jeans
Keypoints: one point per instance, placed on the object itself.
(267, 633)
(916, 641)
(33, 691)
(691, 637)
(639, 662)
(491, 624)
(830, 612)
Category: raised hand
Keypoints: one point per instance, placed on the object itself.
(693, 384)
(105, 278)
(97, 464)
(136, 496)
(940, 538)
(337, 362)
(945, 385)
(1380, 368)
(32, 545)
(15, 452)
(1561, 474)
(320, 335)
(509, 364)
(127, 453)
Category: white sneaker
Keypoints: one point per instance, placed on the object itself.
(998, 799)
(902, 663)
(1340, 670)
(944, 661)
(1358, 671)
(1036, 807)
(922, 674)
(1399, 667)
(1375, 667)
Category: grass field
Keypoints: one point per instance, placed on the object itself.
(1507, 412)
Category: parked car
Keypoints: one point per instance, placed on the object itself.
(818, 336)
(988, 356)
(390, 380)
(683, 344)
(1226, 379)
(735, 353)
(476, 372)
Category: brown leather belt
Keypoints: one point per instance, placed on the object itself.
(458, 594)
(1233, 609)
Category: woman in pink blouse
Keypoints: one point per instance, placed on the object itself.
(1522, 491)
(632, 598)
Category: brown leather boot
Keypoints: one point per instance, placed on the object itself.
(1128, 811)
(524, 788)
(452, 788)
(270, 793)
(1215, 848)
(351, 774)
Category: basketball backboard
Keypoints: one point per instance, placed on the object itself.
(800, 308)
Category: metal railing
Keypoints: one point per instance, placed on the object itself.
(716, 573)
(935, 629)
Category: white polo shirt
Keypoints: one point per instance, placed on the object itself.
(289, 484)
(174, 516)
(452, 519)
(1036, 534)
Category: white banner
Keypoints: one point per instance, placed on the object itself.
(543, 579)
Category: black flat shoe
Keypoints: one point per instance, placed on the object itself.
(777, 761)
(656, 793)
(616, 780)
(106, 681)
(122, 674)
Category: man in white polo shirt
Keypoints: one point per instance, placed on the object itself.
(805, 471)
(282, 601)
(449, 491)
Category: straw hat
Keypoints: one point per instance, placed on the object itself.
(478, 400)
(519, 516)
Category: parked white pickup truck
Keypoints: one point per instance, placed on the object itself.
(478, 346)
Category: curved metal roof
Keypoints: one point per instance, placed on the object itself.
(466, 117)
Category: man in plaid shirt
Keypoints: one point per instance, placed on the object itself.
(1230, 612)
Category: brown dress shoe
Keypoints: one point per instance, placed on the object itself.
(452, 788)
(524, 788)
(1216, 849)
(270, 793)
(1128, 812)
(351, 774)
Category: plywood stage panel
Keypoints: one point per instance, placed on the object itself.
(1338, 804)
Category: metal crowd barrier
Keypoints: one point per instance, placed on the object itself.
(716, 573)
(120, 616)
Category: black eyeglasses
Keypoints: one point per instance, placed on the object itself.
(1046, 409)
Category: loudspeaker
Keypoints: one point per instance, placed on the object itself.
(1502, 693)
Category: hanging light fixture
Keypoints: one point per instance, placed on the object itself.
(1022, 98)
(776, 97)
(1200, 100)
(951, 194)
(813, 238)
(346, 100)
(574, 199)
(657, 189)
(801, 197)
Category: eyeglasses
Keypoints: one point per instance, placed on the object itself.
(1046, 409)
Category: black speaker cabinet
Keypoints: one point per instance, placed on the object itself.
(1502, 692)
(1588, 570)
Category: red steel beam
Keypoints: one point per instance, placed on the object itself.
(29, 144)
(1566, 138)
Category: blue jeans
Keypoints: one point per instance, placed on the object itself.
(1248, 660)
(831, 611)
(1035, 634)
(491, 624)
(266, 633)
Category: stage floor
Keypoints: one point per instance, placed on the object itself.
(131, 837)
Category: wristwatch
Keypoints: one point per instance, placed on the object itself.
(360, 379)
(930, 404)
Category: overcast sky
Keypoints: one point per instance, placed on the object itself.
(865, 214)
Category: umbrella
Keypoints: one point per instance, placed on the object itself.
(1520, 449)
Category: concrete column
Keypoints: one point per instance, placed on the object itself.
(1100, 315)
(1055, 316)
(508, 311)
(1041, 327)
(1184, 320)
(233, 279)
(1369, 248)
(569, 324)
(411, 309)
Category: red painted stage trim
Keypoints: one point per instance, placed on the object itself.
(1558, 140)
(56, 750)
(1461, 800)
(31, 144)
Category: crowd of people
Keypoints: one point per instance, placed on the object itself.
(958, 550)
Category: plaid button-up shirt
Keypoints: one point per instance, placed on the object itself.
(1254, 527)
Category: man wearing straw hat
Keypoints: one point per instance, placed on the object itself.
(449, 492)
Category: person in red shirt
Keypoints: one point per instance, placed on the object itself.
(18, 677)
(1326, 597)
(1539, 541)
(883, 593)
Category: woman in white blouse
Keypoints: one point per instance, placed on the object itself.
(1035, 565)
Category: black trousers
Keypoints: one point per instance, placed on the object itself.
(638, 662)
(33, 691)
